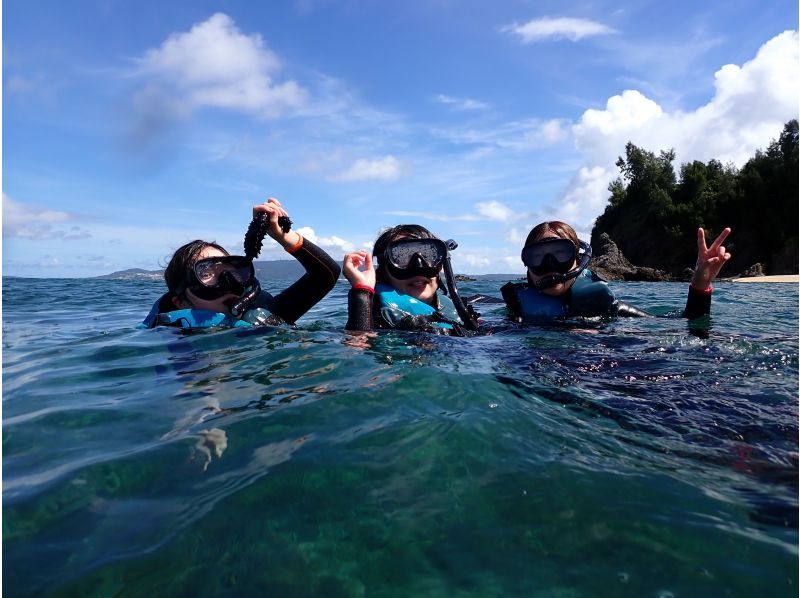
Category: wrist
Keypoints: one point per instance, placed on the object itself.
(361, 286)
(702, 290)
(291, 242)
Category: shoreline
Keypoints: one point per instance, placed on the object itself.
(795, 278)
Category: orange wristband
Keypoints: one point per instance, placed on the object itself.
(364, 287)
(296, 246)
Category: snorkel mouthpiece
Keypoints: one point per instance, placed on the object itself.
(241, 304)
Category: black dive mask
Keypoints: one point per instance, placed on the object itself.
(553, 260)
(406, 258)
(549, 256)
(214, 277)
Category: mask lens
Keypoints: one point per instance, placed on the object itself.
(402, 252)
(551, 255)
(209, 271)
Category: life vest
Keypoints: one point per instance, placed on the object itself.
(395, 308)
(589, 296)
(206, 318)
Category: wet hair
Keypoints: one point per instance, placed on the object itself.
(409, 231)
(183, 259)
(560, 229)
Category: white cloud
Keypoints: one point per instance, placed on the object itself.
(558, 28)
(494, 210)
(515, 237)
(521, 135)
(484, 210)
(513, 261)
(750, 105)
(387, 168)
(461, 103)
(215, 65)
(30, 222)
(585, 197)
(332, 244)
(479, 262)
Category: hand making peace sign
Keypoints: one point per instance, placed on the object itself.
(709, 259)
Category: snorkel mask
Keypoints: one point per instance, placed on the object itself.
(552, 259)
(215, 277)
(409, 257)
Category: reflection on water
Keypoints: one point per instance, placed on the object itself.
(634, 457)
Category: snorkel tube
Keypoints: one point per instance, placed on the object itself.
(466, 313)
(584, 255)
(253, 240)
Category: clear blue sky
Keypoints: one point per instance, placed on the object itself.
(130, 128)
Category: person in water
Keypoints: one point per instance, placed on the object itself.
(406, 291)
(209, 287)
(559, 284)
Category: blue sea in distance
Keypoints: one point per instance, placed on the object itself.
(637, 457)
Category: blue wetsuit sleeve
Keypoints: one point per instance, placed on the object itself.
(698, 303)
(320, 277)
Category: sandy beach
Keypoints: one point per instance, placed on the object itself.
(795, 278)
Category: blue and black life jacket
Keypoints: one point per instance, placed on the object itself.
(405, 312)
(162, 315)
(589, 296)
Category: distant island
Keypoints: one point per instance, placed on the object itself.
(270, 270)
(265, 270)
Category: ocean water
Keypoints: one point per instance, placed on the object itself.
(637, 457)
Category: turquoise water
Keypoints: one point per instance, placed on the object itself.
(631, 458)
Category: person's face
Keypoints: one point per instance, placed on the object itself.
(218, 304)
(419, 287)
(561, 287)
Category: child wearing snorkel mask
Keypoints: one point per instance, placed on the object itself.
(560, 285)
(208, 287)
(405, 292)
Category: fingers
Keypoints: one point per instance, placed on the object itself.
(271, 206)
(701, 241)
(355, 259)
(720, 239)
(358, 259)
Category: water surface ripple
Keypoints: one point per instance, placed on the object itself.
(647, 457)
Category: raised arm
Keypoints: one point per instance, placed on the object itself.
(321, 271)
(362, 289)
(709, 262)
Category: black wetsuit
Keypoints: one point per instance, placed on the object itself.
(320, 277)
(288, 305)
(365, 312)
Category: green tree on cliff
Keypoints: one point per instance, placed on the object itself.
(652, 216)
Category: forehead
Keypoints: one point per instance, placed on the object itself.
(209, 251)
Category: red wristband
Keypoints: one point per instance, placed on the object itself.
(296, 246)
(701, 291)
(364, 287)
